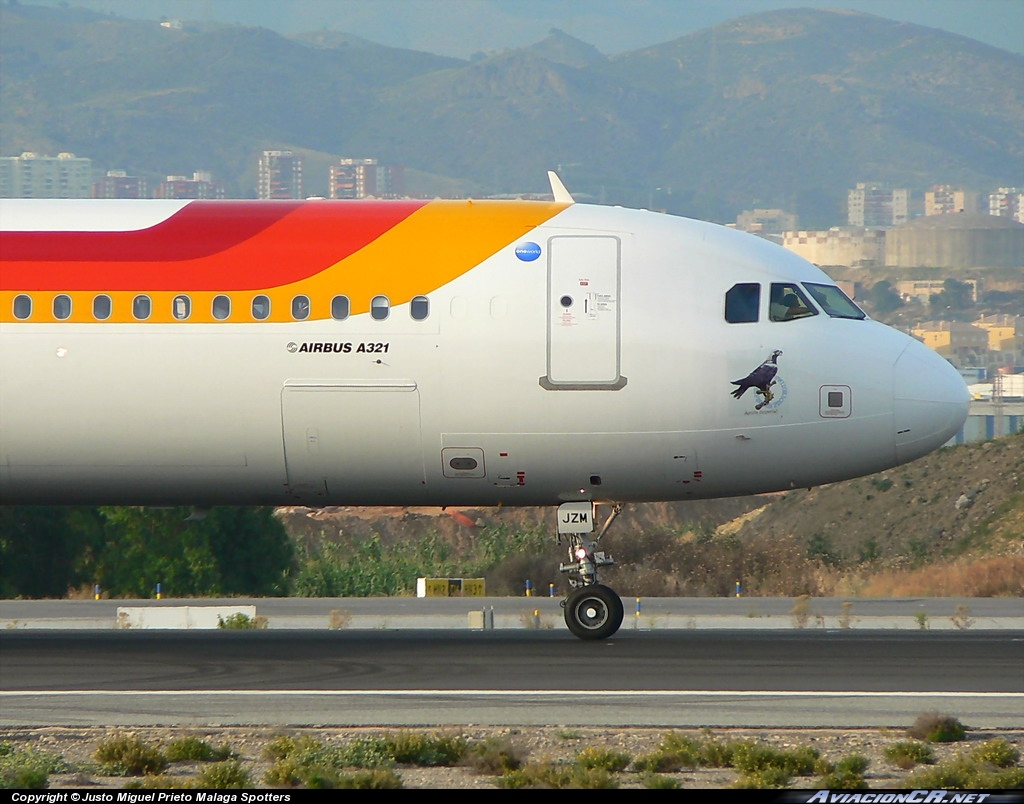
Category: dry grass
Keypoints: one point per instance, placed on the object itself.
(989, 577)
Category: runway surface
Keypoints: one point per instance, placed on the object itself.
(666, 677)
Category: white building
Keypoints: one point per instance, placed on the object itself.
(33, 176)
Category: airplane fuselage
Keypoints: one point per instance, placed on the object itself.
(441, 353)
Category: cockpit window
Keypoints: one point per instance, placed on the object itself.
(742, 302)
(834, 302)
(788, 302)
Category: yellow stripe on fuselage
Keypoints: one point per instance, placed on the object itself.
(432, 247)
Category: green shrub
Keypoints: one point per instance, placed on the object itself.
(657, 781)
(768, 778)
(377, 779)
(192, 749)
(223, 776)
(612, 761)
(981, 768)
(677, 751)
(957, 774)
(239, 621)
(284, 772)
(719, 754)
(307, 762)
(852, 764)
(125, 755)
(161, 782)
(557, 776)
(363, 752)
(997, 753)
(25, 769)
(494, 756)
(663, 762)
(906, 754)
(438, 750)
(1003, 779)
(752, 758)
(935, 727)
(837, 780)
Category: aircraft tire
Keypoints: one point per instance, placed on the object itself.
(593, 612)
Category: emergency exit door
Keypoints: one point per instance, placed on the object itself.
(583, 313)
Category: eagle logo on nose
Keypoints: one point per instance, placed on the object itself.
(760, 379)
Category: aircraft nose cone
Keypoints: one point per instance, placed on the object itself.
(931, 402)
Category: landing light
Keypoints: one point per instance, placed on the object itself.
(581, 553)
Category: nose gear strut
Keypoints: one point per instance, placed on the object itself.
(592, 610)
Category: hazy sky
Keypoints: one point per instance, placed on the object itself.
(463, 27)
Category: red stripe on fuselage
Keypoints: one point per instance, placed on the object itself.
(207, 245)
(196, 230)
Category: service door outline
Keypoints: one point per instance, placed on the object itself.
(583, 325)
(350, 438)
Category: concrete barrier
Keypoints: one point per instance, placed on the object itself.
(178, 617)
(482, 620)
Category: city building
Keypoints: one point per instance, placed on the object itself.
(201, 185)
(956, 241)
(875, 204)
(840, 245)
(280, 175)
(118, 184)
(956, 341)
(33, 176)
(944, 199)
(921, 290)
(766, 221)
(365, 178)
(1007, 202)
(1005, 336)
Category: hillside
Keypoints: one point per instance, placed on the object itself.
(785, 108)
(949, 524)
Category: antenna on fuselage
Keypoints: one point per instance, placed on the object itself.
(558, 189)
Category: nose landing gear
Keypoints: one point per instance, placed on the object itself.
(591, 610)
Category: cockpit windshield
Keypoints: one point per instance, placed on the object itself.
(834, 302)
(788, 302)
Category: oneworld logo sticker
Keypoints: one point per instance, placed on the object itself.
(528, 251)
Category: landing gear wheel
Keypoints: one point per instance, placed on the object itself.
(593, 612)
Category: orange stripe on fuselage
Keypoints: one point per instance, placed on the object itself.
(319, 249)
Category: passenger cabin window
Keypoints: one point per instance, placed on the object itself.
(102, 307)
(22, 307)
(379, 308)
(300, 308)
(221, 307)
(742, 302)
(834, 302)
(788, 302)
(261, 308)
(420, 308)
(61, 307)
(181, 307)
(340, 308)
(142, 306)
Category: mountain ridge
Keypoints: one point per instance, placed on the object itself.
(785, 108)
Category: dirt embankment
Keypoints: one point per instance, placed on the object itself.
(960, 508)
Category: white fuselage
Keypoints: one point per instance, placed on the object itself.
(600, 370)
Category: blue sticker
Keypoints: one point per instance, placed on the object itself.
(527, 251)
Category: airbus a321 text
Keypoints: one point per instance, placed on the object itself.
(438, 353)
